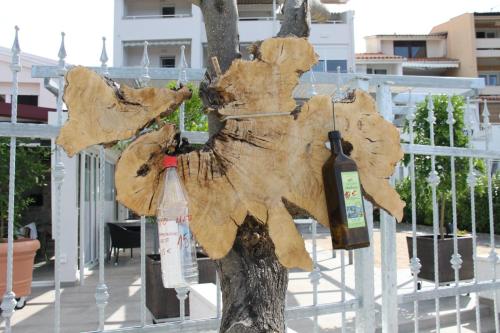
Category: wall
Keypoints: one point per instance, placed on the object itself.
(133, 55)
(69, 212)
(392, 69)
(27, 84)
(154, 7)
(387, 47)
(373, 45)
(461, 44)
(436, 48)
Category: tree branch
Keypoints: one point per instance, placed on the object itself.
(319, 12)
(296, 19)
(298, 14)
(223, 42)
(221, 25)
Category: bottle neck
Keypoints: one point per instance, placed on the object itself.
(335, 142)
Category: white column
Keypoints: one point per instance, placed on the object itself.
(364, 266)
(388, 238)
(118, 57)
(196, 41)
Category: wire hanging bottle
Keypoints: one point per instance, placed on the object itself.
(177, 245)
(344, 198)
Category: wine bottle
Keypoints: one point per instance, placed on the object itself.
(344, 199)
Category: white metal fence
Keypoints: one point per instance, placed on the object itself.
(361, 301)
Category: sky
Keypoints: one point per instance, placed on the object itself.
(86, 22)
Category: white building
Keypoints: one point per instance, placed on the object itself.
(36, 104)
(406, 55)
(168, 24)
(32, 92)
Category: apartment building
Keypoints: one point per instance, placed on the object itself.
(168, 24)
(474, 39)
(34, 101)
(406, 55)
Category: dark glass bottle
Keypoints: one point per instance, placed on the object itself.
(344, 199)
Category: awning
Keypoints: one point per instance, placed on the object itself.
(26, 112)
(164, 42)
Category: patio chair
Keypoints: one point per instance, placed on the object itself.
(123, 238)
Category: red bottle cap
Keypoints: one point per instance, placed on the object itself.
(169, 162)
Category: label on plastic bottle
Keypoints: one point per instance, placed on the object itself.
(170, 253)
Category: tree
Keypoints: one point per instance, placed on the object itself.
(194, 118)
(253, 175)
(32, 165)
(254, 297)
(421, 131)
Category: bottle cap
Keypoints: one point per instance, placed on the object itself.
(170, 162)
(334, 135)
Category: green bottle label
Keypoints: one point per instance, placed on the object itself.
(353, 200)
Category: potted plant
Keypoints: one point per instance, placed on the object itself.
(31, 168)
(424, 204)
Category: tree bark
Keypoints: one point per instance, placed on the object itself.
(296, 19)
(223, 42)
(253, 283)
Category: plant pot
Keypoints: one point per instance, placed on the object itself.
(425, 252)
(162, 302)
(24, 256)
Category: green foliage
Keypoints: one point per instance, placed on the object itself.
(482, 206)
(443, 167)
(194, 118)
(32, 166)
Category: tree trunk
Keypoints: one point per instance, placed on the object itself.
(223, 42)
(253, 283)
(296, 19)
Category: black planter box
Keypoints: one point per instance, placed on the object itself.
(425, 252)
(162, 302)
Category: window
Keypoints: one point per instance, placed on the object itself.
(109, 179)
(168, 11)
(489, 79)
(410, 49)
(334, 65)
(492, 80)
(330, 66)
(319, 67)
(27, 100)
(486, 34)
(376, 71)
(167, 62)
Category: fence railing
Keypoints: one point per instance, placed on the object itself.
(362, 300)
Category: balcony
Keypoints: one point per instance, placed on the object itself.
(490, 90)
(488, 47)
(150, 27)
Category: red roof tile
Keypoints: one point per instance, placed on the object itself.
(377, 56)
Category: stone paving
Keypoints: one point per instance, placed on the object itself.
(79, 313)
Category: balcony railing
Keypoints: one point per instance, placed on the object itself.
(140, 17)
(488, 43)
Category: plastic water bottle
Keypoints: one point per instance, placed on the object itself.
(177, 245)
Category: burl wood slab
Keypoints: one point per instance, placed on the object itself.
(263, 166)
(100, 111)
(267, 167)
